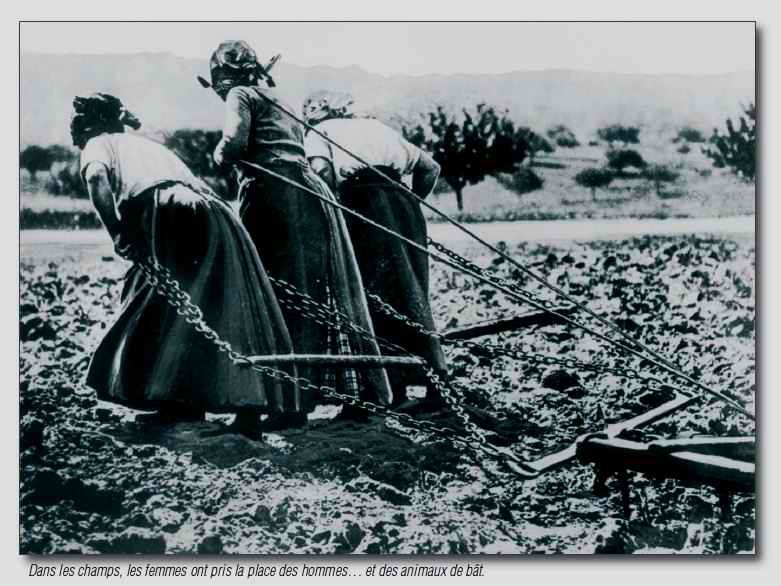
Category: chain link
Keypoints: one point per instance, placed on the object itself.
(499, 350)
(468, 264)
(624, 372)
(161, 279)
(310, 308)
(326, 316)
(652, 381)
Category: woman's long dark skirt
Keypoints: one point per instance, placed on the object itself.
(392, 269)
(305, 242)
(151, 357)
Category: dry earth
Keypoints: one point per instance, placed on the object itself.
(94, 481)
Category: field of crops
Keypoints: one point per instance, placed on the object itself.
(93, 480)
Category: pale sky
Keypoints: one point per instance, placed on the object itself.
(421, 48)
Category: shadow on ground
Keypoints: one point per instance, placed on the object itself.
(326, 448)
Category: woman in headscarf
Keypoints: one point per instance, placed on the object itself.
(390, 268)
(155, 208)
(302, 240)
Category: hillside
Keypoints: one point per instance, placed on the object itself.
(161, 88)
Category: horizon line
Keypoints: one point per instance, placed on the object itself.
(387, 75)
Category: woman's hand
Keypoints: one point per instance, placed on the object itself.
(425, 175)
(123, 246)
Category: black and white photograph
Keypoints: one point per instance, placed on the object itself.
(387, 288)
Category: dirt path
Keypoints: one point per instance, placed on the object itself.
(84, 244)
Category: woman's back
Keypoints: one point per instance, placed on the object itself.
(256, 130)
(136, 163)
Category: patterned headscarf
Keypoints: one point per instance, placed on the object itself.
(97, 114)
(324, 105)
(234, 63)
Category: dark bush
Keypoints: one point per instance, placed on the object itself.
(35, 158)
(689, 134)
(619, 133)
(535, 143)
(619, 160)
(62, 153)
(65, 179)
(594, 178)
(195, 148)
(684, 149)
(57, 219)
(562, 136)
(523, 180)
(659, 174)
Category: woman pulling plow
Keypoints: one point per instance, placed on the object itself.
(154, 207)
(390, 268)
(301, 240)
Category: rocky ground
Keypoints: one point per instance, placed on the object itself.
(94, 481)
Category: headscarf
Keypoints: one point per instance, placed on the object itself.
(234, 63)
(324, 105)
(97, 114)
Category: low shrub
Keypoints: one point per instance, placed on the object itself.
(523, 180)
(594, 178)
(562, 136)
(57, 220)
(620, 159)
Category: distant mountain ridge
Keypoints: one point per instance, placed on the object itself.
(162, 90)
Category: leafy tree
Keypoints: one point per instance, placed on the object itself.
(737, 149)
(195, 148)
(562, 136)
(594, 178)
(618, 133)
(684, 149)
(478, 144)
(35, 158)
(689, 134)
(659, 174)
(619, 160)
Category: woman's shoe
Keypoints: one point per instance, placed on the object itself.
(169, 414)
(280, 421)
(247, 423)
(352, 414)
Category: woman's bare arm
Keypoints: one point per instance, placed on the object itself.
(424, 175)
(102, 196)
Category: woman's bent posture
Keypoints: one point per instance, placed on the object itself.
(155, 208)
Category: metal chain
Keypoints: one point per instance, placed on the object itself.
(328, 317)
(464, 262)
(161, 279)
(499, 350)
(631, 373)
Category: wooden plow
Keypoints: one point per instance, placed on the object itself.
(725, 463)
(586, 447)
(720, 462)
